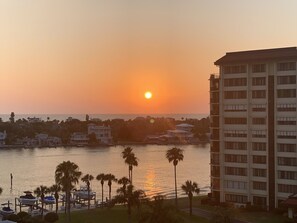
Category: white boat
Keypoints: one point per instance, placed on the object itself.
(82, 193)
(28, 199)
(49, 200)
(5, 211)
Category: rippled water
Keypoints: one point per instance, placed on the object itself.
(34, 167)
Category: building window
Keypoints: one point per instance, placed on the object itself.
(259, 107)
(287, 161)
(259, 81)
(285, 188)
(286, 134)
(285, 147)
(286, 107)
(259, 146)
(258, 68)
(288, 175)
(259, 159)
(286, 93)
(235, 133)
(291, 79)
(236, 198)
(237, 171)
(236, 145)
(235, 108)
(260, 201)
(258, 134)
(259, 172)
(215, 158)
(235, 158)
(236, 69)
(230, 184)
(233, 82)
(286, 120)
(235, 121)
(235, 94)
(257, 185)
(286, 66)
(259, 94)
(259, 121)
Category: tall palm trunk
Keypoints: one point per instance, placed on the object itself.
(190, 199)
(57, 201)
(88, 185)
(102, 192)
(175, 186)
(68, 207)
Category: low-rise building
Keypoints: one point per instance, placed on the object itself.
(2, 138)
(103, 133)
(79, 139)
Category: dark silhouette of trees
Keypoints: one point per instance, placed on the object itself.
(40, 192)
(110, 178)
(190, 188)
(55, 188)
(130, 159)
(175, 155)
(11, 119)
(158, 212)
(101, 177)
(87, 179)
(67, 175)
(131, 197)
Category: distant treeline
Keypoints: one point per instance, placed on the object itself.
(134, 130)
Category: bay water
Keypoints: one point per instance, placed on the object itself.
(154, 174)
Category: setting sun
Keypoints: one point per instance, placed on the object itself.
(148, 95)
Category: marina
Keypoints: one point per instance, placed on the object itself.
(154, 174)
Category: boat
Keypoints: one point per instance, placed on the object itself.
(28, 199)
(49, 200)
(5, 211)
(82, 193)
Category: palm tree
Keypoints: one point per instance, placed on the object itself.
(189, 188)
(101, 177)
(109, 178)
(125, 154)
(130, 196)
(55, 188)
(175, 155)
(130, 159)
(124, 181)
(67, 175)
(87, 179)
(159, 212)
(40, 191)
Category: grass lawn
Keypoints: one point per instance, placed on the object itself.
(117, 214)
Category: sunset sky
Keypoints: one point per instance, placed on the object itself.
(97, 57)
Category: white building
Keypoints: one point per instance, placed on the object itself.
(103, 133)
(79, 139)
(2, 138)
(253, 127)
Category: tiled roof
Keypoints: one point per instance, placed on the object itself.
(289, 53)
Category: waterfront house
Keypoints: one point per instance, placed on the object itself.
(2, 138)
(103, 133)
(79, 139)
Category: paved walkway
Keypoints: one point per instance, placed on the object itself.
(208, 215)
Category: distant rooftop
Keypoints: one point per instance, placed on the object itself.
(288, 53)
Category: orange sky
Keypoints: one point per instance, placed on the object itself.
(75, 56)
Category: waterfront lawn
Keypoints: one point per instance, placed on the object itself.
(116, 214)
(250, 216)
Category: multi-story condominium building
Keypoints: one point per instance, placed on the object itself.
(253, 127)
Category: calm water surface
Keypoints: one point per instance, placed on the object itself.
(34, 167)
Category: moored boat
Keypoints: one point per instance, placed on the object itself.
(28, 199)
(82, 193)
(6, 210)
(49, 200)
